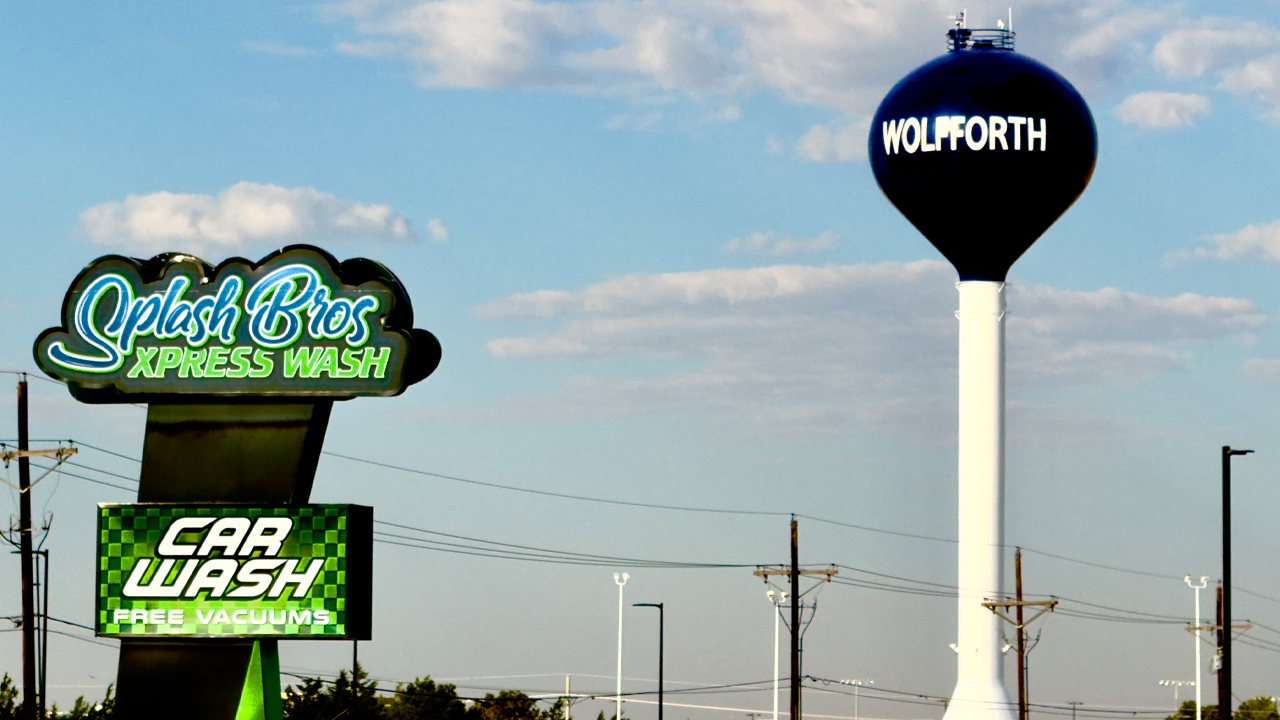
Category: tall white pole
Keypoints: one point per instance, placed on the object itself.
(1196, 634)
(621, 580)
(980, 693)
(777, 615)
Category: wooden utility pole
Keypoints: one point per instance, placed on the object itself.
(1019, 624)
(794, 573)
(29, 707)
(1223, 688)
(1022, 639)
(795, 619)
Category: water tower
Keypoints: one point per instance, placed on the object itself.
(982, 149)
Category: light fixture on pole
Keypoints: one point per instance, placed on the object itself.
(1176, 685)
(621, 580)
(661, 635)
(857, 684)
(1195, 631)
(777, 599)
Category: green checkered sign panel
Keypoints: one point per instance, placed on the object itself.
(235, 571)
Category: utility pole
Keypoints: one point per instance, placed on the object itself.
(795, 619)
(794, 574)
(44, 633)
(28, 573)
(1074, 704)
(33, 699)
(1220, 666)
(1020, 626)
(1022, 639)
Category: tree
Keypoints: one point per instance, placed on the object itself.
(1259, 708)
(1188, 712)
(309, 702)
(10, 708)
(90, 711)
(354, 696)
(423, 699)
(357, 695)
(509, 705)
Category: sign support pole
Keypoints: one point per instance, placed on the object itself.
(260, 452)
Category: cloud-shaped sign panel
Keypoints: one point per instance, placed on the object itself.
(295, 324)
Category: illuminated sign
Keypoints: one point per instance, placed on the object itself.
(297, 323)
(235, 571)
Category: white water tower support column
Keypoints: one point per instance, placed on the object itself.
(980, 692)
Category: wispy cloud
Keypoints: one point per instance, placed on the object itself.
(869, 344)
(837, 55)
(1251, 242)
(244, 214)
(835, 143)
(778, 245)
(1163, 110)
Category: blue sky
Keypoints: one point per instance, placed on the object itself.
(648, 239)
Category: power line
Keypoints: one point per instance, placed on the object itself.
(87, 479)
(548, 493)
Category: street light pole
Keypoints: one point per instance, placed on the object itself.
(1224, 687)
(857, 685)
(661, 641)
(777, 601)
(1204, 581)
(621, 579)
(1176, 685)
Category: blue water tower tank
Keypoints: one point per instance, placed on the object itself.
(982, 149)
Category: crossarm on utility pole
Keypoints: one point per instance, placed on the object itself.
(59, 455)
(1044, 605)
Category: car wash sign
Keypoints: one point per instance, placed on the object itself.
(297, 323)
(234, 571)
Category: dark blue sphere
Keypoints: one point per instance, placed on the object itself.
(982, 150)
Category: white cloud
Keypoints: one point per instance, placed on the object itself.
(771, 243)
(1211, 45)
(1163, 110)
(243, 214)
(840, 143)
(437, 230)
(869, 344)
(1245, 55)
(1252, 242)
(828, 53)
(1262, 371)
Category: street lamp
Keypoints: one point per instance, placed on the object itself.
(1195, 631)
(858, 683)
(1224, 675)
(777, 599)
(1176, 684)
(661, 633)
(621, 580)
